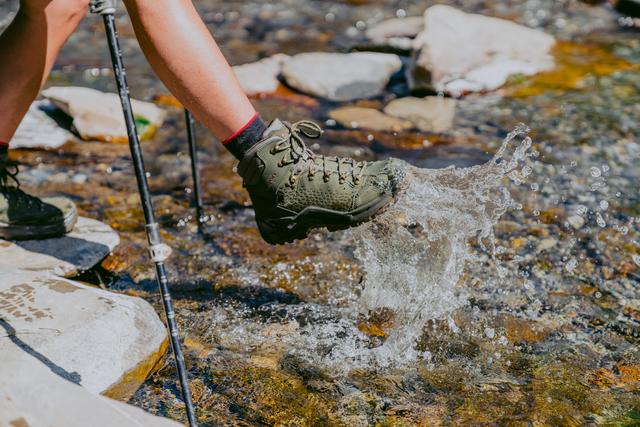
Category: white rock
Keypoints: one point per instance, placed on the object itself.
(33, 395)
(397, 27)
(576, 221)
(396, 33)
(88, 243)
(368, 118)
(262, 76)
(38, 130)
(459, 52)
(341, 77)
(98, 339)
(430, 114)
(98, 115)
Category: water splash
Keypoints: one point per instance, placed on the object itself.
(415, 253)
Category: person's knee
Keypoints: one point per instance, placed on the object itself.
(63, 10)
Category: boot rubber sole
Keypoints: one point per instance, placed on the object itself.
(278, 231)
(37, 232)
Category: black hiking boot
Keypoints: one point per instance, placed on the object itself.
(24, 217)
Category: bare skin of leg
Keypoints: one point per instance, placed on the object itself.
(28, 49)
(185, 56)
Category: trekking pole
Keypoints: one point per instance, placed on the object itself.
(195, 174)
(158, 251)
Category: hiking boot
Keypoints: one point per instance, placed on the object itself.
(27, 217)
(294, 190)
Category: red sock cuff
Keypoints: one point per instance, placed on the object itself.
(242, 129)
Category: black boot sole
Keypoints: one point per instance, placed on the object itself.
(37, 232)
(278, 231)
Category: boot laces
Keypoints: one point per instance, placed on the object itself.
(296, 152)
(15, 196)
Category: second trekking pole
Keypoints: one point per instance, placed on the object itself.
(158, 251)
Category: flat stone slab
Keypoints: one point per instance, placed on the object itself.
(104, 341)
(341, 77)
(39, 130)
(33, 394)
(88, 243)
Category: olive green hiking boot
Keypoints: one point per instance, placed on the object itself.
(26, 217)
(294, 190)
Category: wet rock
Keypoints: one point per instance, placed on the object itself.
(576, 221)
(88, 243)
(397, 33)
(106, 342)
(430, 114)
(460, 52)
(260, 77)
(98, 115)
(35, 392)
(368, 118)
(39, 130)
(341, 77)
(396, 27)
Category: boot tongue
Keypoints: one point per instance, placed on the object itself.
(276, 128)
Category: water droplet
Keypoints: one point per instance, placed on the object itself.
(401, 13)
(605, 168)
(536, 213)
(330, 17)
(600, 220)
(604, 205)
(595, 172)
(636, 259)
(361, 25)
(489, 332)
(535, 187)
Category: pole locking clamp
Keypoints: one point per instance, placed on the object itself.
(102, 7)
(159, 252)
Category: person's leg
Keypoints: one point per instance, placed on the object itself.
(292, 189)
(28, 49)
(185, 56)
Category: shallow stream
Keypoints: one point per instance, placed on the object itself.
(501, 291)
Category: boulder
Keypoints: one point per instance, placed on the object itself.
(341, 77)
(460, 52)
(34, 394)
(40, 130)
(106, 342)
(88, 243)
(262, 76)
(430, 114)
(368, 118)
(98, 115)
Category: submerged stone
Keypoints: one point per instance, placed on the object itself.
(430, 114)
(368, 118)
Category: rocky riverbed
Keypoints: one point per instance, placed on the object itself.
(539, 322)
